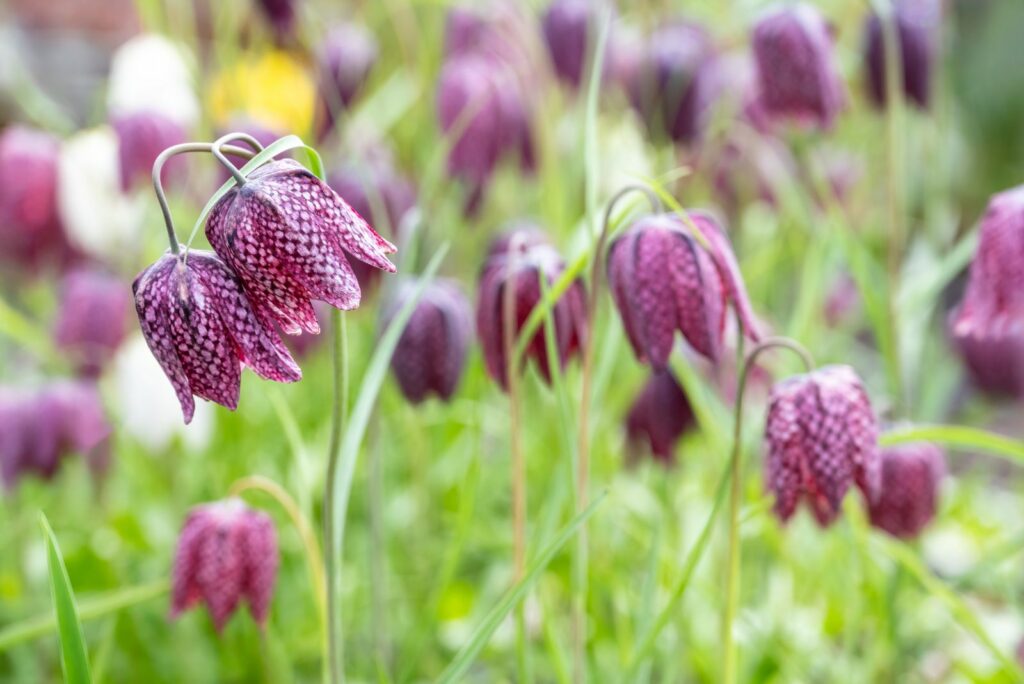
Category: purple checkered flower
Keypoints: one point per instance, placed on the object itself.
(916, 29)
(796, 67)
(822, 437)
(659, 416)
(909, 491)
(202, 329)
(287, 236)
(662, 280)
(226, 552)
(142, 136)
(346, 58)
(92, 320)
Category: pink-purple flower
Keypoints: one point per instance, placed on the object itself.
(345, 60)
(92, 319)
(141, 137)
(916, 23)
(659, 416)
(909, 490)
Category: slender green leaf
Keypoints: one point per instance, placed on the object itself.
(74, 657)
(957, 437)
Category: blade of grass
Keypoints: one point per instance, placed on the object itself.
(74, 657)
(957, 437)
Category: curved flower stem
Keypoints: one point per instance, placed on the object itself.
(732, 588)
(579, 613)
(332, 554)
(158, 187)
(231, 168)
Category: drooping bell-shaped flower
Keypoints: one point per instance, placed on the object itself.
(226, 552)
(92, 319)
(663, 280)
(345, 60)
(520, 259)
(141, 137)
(822, 437)
(793, 50)
(288, 236)
(283, 17)
(909, 491)
(916, 33)
(659, 416)
(431, 353)
(202, 329)
(988, 325)
(570, 29)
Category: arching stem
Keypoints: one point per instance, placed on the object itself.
(231, 168)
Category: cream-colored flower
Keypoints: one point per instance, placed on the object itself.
(151, 73)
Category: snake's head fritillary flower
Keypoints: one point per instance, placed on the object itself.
(288, 236)
(520, 259)
(822, 437)
(346, 58)
(141, 137)
(909, 491)
(431, 353)
(283, 17)
(202, 329)
(92, 319)
(570, 28)
(660, 415)
(226, 552)
(793, 50)
(988, 325)
(30, 225)
(916, 31)
(662, 280)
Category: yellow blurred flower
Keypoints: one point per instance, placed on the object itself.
(273, 89)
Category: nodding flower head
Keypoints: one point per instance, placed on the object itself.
(226, 552)
(569, 28)
(431, 353)
(346, 58)
(796, 67)
(282, 16)
(520, 260)
(909, 491)
(660, 415)
(988, 325)
(916, 31)
(821, 434)
(202, 329)
(92, 319)
(287, 235)
(662, 280)
(141, 137)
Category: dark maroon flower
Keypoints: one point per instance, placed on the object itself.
(346, 57)
(659, 416)
(662, 280)
(916, 27)
(431, 353)
(202, 329)
(988, 325)
(142, 136)
(569, 28)
(282, 16)
(287, 235)
(519, 260)
(226, 552)
(796, 67)
(31, 231)
(92, 319)
(909, 491)
(822, 437)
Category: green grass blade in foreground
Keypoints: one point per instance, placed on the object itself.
(73, 655)
(957, 437)
(465, 657)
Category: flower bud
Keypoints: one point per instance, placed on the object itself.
(92, 319)
(660, 415)
(909, 491)
(346, 57)
(916, 26)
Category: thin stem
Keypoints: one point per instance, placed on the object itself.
(235, 172)
(735, 464)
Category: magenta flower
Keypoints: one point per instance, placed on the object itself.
(202, 329)
(909, 492)
(822, 437)
(345, 60)
(662, 281)
(519, 260)
(431, 353)
(282, 16)
(659, 416)
(569, 28)
(796, 67)
(286, 235)
(142, 136)
(92, 320)
(916, 29)
(988, 325)
(226, 552)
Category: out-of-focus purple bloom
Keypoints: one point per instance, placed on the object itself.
(92, 319)
(569, 28)
(283, 17)
(496, 29)
(796, 66)
(988, 325)
(822, 437)
(662, 280)
(431, 352)
(142, 136)
(909, 492)
(660, 415)
(288, 236)
(751, 167)
(519, 260)
(346, 58)
(31, 230)
(916, 29)
(842, 301)
(226, 552)
(202, 329)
